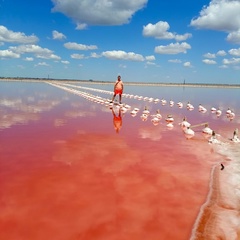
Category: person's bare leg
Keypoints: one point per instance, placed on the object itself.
(113, 97)
(120, 98)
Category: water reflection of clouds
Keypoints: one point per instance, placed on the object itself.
(19, 111)
(154, 134)
(75, 114)
(9, 119)
(100, 152)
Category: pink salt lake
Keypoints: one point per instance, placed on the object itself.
(66, 174)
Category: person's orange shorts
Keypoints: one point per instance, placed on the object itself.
(118, 91)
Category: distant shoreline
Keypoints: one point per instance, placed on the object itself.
(126, 83)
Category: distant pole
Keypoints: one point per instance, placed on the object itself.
(184, 82)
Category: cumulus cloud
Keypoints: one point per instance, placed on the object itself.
(121, 55)
(8, 54)
(160, 31)
(29, 59)
(208, 61)
(231, 61)
(77, 56)
(187, 64)
(16, 37)
(234, 37)
(150, 58)
(65, 62)
(173, 48)
(98, 12)
(209, 55)
(175, 61)
(221, 53)
(221, 15)
(42, 64)
(57, 35)
(38, 51)
(77, 46)
(234, 52)
(95, 55)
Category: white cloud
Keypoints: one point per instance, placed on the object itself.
(29, 59)
(81, 26)
(234, 52)
(77, 46)
(173, 48)
(187, 64)
(231, 61)
(77, 56)
(221, 53)
(42, 64)
(95, 55)
(209, 55)
(150, 58)
(57, 35)
(234, 37)
(65, 62)
(160, 31)
(208, 61)
(150, 63)
(38, 51)
(121, 55)
(220, 15)
(15, 37)
(175, 61)
(98, 12)
(223, 66)
(8, 54)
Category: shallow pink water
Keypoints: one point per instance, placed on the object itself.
(66, 174)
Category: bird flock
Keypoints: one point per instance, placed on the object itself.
(145, 113)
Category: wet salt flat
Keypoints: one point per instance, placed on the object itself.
(68, 173)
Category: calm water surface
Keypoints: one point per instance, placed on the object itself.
(65, 173)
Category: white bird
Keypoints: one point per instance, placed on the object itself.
(156, 100)
(218, 112)
(146, 111)
(213, 110)
(144, 117)
(169, 119)
(155, 120)
(150, 99)
(231, 116)
(180, 104)
(171, 103)
(207, 130)
(213, 138)
(235, 136)
(202, 109)
(184, 124)
(123, 109)
(228, 112)
(134, 112)
(164, 102)
(190, 107)
(189, 133)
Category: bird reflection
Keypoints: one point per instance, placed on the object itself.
(117, 120)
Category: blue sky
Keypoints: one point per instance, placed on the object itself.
(142, 40)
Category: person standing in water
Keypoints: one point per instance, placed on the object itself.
(118, 89)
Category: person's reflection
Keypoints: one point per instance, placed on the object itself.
(117, 120)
